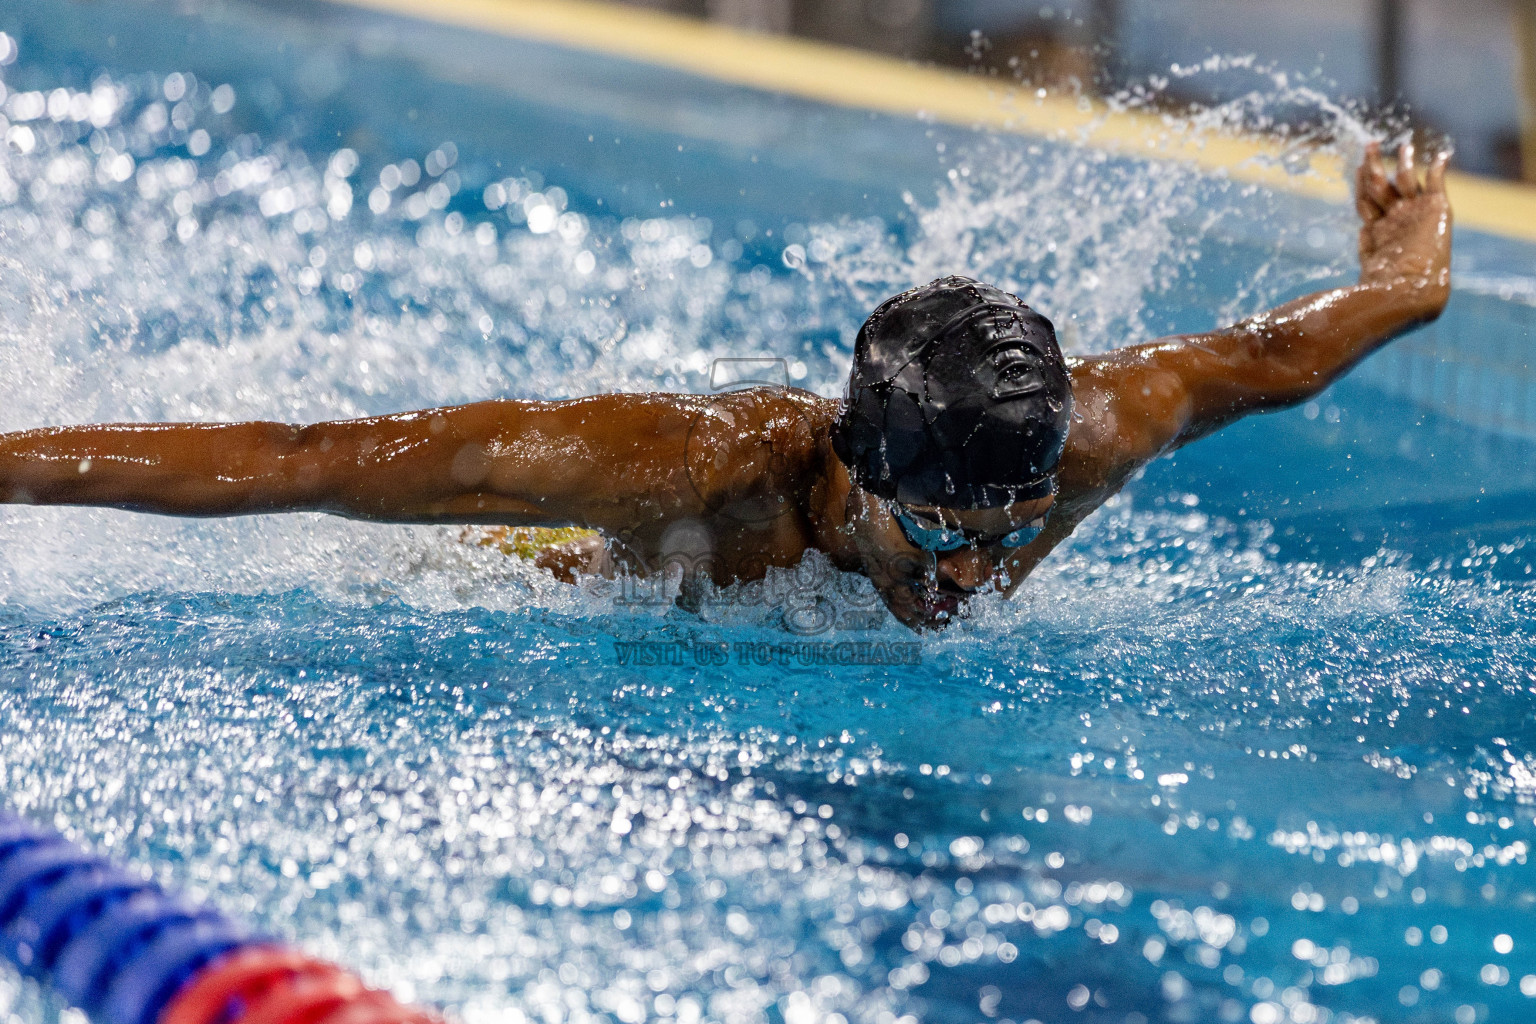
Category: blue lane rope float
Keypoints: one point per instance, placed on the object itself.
(126, 951)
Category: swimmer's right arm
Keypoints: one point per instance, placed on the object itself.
(607, 462)
(1147, 399)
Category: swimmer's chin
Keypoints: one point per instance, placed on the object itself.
(923, 610)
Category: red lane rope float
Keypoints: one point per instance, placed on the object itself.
(382, 1009)
(222, 993)
(365, 1009)
(304, 1000)
(278, 986)
(398, 1015)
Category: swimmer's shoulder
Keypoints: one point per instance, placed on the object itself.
(1126, 412)
(757, 442)
(785, 414)
(765, 406)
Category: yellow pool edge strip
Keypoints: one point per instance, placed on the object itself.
(853, 78)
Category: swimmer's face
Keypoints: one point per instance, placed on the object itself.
(927, 589)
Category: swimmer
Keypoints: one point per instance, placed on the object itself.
(965, 449)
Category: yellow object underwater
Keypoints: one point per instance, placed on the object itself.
(526, 541)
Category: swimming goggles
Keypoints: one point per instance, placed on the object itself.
(934, 538)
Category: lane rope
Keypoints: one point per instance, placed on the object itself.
(125, 950)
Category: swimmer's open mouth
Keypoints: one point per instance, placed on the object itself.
(935, 602)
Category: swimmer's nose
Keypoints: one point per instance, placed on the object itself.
(969, 571)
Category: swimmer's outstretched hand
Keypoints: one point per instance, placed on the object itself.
(1405, 237)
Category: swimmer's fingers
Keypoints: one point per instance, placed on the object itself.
(1434, 181)
(1365, 206)
(1373, 192)
(1407, 175)
(1368, 211)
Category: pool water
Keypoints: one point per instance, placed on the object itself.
(1257, 745)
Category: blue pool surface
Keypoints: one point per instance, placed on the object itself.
(1257, 745)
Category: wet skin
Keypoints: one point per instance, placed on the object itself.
(730, 485)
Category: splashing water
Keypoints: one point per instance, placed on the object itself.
(1186, 776)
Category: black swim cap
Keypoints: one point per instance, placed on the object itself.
(959, 397)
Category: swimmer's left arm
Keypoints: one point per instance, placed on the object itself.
(1158, 396)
